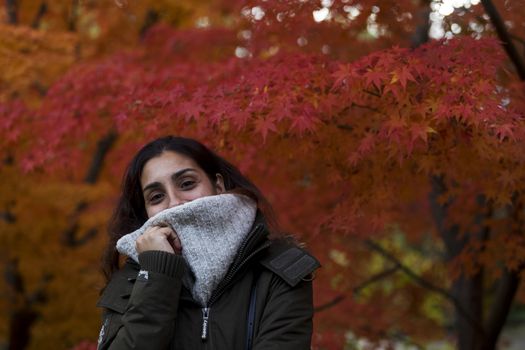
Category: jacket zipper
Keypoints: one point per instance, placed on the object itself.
(205, 315)
(226, 282)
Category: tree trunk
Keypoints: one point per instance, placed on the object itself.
(508, 286)
(24, 315)
(468, 290)
(20, 325)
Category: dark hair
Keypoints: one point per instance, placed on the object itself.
(130, 212)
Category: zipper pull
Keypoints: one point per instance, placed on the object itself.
(205, 315)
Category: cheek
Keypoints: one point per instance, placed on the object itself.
(210, 190)
(202, 191)
(196, 195)
(152, 211)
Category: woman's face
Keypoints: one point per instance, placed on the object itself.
(171, 179)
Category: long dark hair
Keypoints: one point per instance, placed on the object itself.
(130, 212)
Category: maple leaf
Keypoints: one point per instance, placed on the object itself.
(354, 158)
(504, 131)
(421, 131)
(366, 144)
(393, 125)
(341, 76)
(263, 126)
(503, 199)
(239, 119)
(420, 69)
(28, 164)
(485, 87)
(442, 112)
(306, 121)
(215, 118)
(394, 89)
(403, 75)
(374, 77)
(191, 110)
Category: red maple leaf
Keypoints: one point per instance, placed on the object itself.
(374, 77)
(263, 126)
(366, 144)
(420, 131)
(191, 110)
(504, 131)
(403, 75)
(342, 75)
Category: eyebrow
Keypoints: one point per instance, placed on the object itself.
(174, 177)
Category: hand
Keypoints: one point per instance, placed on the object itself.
(159, 238)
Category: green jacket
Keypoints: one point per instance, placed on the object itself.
(151, 309)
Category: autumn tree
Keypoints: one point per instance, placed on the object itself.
(395, 156)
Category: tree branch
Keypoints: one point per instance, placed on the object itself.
(346, 109)
(345, 127)
(373, 93)
(103, 147)
(375, 278)
(13, 278)
(517, 38)
(152, 17)
(330, 304)
(42, 10)
(11, 7)
(505, 38)
(7, 216)
(69, 235)
(425, 284)
(73, 15)
(365, 107)
(356, 290)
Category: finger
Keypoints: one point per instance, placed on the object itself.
(153, 230)
(153, 233)
(177, 243)
(155, 239)
(170, 232)
(174, 240)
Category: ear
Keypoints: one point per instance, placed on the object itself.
(219, 184)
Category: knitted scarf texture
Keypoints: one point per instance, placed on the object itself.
(211, 230)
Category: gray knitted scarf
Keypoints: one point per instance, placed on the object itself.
(210, 230)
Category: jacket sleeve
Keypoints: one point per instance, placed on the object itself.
(286, 322)
(146, 320)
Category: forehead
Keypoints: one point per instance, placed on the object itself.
(164, 166)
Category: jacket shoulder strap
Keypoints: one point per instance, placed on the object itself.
(289, 262)
(251, 310)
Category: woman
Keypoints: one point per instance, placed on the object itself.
(201, 272)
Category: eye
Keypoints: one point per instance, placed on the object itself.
(187, 184)
(156, 197)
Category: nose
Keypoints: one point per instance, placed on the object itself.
(175, 200)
